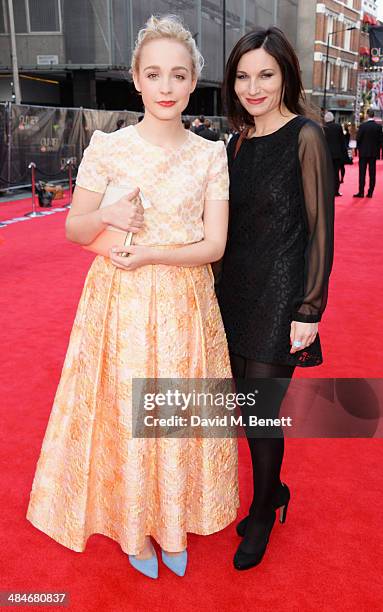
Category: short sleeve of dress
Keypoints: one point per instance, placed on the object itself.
(92, 173)
(318, 196)
(217, 187)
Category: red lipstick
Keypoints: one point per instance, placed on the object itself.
(166, 103)
(255, 100)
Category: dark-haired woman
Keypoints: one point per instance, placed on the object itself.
(273, 285)
(346, 158)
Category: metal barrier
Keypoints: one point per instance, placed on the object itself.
(69, 165)
(51, 135)
(32, 167)
(34, 212)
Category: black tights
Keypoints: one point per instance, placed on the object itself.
(266, 453)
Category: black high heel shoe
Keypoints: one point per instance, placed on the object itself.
(280, 499)
(260, 534)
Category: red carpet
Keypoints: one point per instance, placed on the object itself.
(328, 555)
(18, 208)
(352, 329)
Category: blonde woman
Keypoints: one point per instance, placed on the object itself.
(151, 314)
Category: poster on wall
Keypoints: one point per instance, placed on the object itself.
(376, 45)
(372, 91)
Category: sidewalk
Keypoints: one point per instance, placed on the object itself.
(19, 195)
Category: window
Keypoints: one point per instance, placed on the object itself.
(20, 16)
(31, 17)
(330, 26)
(345, 75)
(347, 38)
(3, 17)
(46, 20)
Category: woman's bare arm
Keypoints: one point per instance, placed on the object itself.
(85, 220)
(210, 249)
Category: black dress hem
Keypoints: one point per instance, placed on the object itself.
(301, 359)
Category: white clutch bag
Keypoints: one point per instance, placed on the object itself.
(113, 236)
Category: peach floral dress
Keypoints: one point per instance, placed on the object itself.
(158, 321)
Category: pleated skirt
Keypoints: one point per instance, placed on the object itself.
(92, 475)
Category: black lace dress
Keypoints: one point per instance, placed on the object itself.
(280, 242)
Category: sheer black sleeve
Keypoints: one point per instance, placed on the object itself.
(318, 195)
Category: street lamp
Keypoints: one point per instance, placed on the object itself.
(326, 68)
(16, 95)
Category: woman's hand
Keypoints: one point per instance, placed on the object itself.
(303, 333)
(137, 256)
(126, 214)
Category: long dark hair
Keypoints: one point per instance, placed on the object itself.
(276, 44)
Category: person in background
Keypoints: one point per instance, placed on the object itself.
(352, 143)
(195, 124)
(200, 124)
(368, 141)
(229, 135)
(335, 140)
(347, 136)
(120, 124)
(346, 158)
(208, 132)
(187, 124)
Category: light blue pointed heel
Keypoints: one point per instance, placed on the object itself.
(176, 563)
(148, 567)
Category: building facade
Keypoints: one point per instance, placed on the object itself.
(78, 52)
(370, 7)
(336, 33)
(336, 56)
